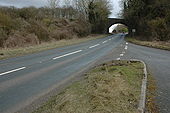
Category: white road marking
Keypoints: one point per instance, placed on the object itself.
(12, 71)
(121, 54)
(110, 39)
(126, 47)
(67, 54)
(118, 59)
(104, 41)
(94, 46)
(126, 43)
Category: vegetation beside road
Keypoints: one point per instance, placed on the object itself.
(150, 18)
(154, 44)
(111, 87)
(28, 26)
(151, 105)
(13, 52)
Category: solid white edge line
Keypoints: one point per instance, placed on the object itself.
(12, 71)
(94, 46)
(67, 54)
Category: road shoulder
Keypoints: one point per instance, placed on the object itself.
(14, 52)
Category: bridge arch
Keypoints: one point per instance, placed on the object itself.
(112, 21)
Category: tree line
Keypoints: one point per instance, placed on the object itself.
(150, 18)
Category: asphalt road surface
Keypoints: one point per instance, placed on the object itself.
(25, 79)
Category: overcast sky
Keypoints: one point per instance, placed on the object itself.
(40, 3)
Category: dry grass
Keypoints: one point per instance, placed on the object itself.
(111, 88)
(151, 105)
(12, 52)
(154, 44)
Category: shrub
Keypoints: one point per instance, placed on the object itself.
(6, 23)
(3, 37)
(39, 30)
(160, 29)
(21, 39)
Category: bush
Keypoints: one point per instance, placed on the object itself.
(6, 23)
(3, 37)
(21, 39)
(81, 28)
(39, 30)
(160, 29)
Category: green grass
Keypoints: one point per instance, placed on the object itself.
(13, 52)
(111, 88)
(154, 44)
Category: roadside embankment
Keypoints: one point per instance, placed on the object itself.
(154, 44)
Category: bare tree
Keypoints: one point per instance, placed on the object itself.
(53, 4)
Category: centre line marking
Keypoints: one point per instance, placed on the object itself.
(118, 59)
(121, 54)
(12, 71)
(104, 41)
(67, 54)
(126, 47)
(94, 46)
(126, 43)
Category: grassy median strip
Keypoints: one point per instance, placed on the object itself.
(13, 52)
(113, 87)
(153, 44)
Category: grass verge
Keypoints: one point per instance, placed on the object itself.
(13, 52)
(113, 87)
(151, 105)
(153, 44)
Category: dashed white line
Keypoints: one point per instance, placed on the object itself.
(118, 59)
(67, 54)
(126, 47)
(104, 41)
(94, 46)
(127, 43)
(121, 54)
(4, 73)
(110, 39)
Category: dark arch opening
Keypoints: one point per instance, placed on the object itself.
(118, 28)
(112, 21)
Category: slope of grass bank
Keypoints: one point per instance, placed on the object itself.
(153, 44)
(110, 88)
(12, 52)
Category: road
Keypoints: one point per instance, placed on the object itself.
(25, 79)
